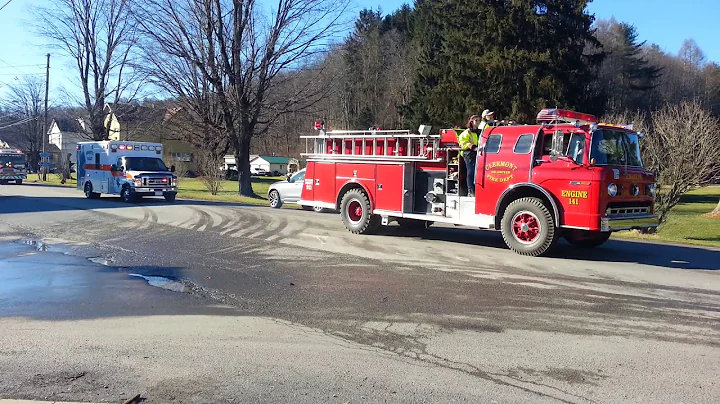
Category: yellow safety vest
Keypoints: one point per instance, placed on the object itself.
(466, 140)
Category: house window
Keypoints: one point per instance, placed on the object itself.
(282, 167)
(187, 157)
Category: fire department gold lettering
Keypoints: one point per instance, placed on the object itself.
(574, 194)
(505, 164)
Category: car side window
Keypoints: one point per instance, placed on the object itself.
(298, 177)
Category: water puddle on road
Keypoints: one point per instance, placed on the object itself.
(162, 282)
(100, 260)
(38, 244)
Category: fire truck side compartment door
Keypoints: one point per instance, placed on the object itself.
(324, 183)
(389, 187)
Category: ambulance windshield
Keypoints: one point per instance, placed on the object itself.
(615, 148)
(11, 160)
(144, 164)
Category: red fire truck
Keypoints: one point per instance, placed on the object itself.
(567, 176)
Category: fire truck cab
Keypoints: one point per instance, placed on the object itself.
(565, 176)
(129, 169)
(12, 166)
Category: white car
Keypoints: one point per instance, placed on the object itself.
(289, 191)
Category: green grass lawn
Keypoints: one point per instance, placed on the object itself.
(688, 222)
(193, 188)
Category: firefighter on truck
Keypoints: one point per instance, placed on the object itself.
(567, 175)
(129, 169)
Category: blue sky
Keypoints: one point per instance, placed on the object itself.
(667, 23)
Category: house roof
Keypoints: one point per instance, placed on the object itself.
(275, 159)
(68, 125)
(127, 113)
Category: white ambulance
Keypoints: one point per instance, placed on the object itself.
(129, 169)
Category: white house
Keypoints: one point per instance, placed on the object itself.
(273, 164)
(65, 134)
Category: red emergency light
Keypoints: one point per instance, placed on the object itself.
(563, 115)
(319, 125)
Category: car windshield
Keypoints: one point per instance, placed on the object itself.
(11, 160)
(615, 148)
(144, 164)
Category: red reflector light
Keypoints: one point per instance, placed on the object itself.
(121, 147)
(164, 180)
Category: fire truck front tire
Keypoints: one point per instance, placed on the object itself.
(528, 227)
(19, 182)
(356, 215)
(89, 192)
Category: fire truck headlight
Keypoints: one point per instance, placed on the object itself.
(612, 189)
(137, 182)
(635, 190)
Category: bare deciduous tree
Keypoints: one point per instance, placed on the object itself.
(209, 165)
(682, 150)
(99, 37)
(239, 51)
(26, 99)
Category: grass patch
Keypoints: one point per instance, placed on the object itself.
(52, 179)
(689, 222)
(193, 188)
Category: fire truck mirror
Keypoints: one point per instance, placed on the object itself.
(113, 168)
(557, 144)
(172, 169)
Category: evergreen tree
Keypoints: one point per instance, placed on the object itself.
(513, 57)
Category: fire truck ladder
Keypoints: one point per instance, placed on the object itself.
(373, 145)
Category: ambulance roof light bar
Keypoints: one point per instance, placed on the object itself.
(550, 115)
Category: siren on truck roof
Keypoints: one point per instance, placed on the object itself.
(565, 116)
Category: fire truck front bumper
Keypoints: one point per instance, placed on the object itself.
(628, 222)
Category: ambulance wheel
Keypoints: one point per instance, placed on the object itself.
(274, 199)
(586, 239)
(19, 182)
(528, 227)
(169, 197)
(355, 210)
(126, 196)
(89, 192)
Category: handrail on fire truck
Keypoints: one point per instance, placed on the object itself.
(395, 145)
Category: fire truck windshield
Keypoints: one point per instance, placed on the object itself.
(11, 160)
(144, 164)
(615, 148)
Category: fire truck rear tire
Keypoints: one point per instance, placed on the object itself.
(528, 227)
(355, 212)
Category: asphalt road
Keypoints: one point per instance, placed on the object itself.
(287, 306)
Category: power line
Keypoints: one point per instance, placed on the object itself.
(8, 2)
(24, 121)
(7, 62)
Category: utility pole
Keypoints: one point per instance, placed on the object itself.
(44, 125)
